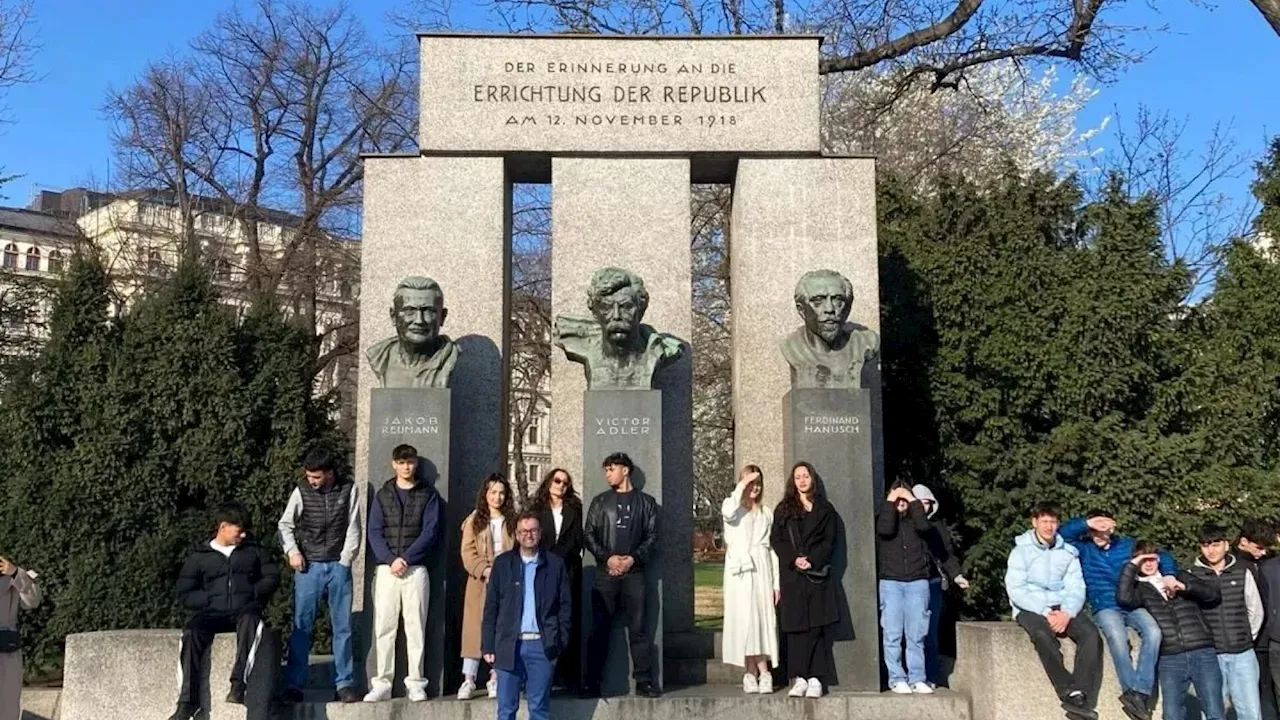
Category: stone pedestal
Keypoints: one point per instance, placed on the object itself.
(626, 421)
(419, 417)
(833, 430)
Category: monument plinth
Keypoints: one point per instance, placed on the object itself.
(833, 430)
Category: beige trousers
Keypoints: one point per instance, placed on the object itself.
(392, 597)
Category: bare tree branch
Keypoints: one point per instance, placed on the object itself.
(1270, 10)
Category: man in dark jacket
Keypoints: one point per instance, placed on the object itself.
(1187, 654)
(621, 533)
(227, 581)
(528, 614)
(320, 534)
(403, 522)
(1103, 556)
(1257, 535)
(904, 559)
(1235, 620)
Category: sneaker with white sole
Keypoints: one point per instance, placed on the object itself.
(765, 684)
(922, 688)
(814, 688)
(416, 694)
(799, 688)
(900, 688)
(492, 687)
(750, 684)
(467, 690)
(378, 693)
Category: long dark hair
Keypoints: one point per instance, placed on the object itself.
(480, 519)
(790, 506)
(542, 496)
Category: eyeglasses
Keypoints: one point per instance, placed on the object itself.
(534, 531)
(559, 481)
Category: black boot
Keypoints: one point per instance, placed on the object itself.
(185, 711)
(236, 694)
(1134, 705)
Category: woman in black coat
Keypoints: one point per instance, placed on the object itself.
(559, 511)
(804, 537)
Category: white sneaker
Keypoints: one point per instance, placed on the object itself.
(750, 684)
(921, 688)
(765, 684)
(492, 687)
(416, 694)
(467, 690)
(814, 689)
(378, 693)
(900, 688)
(799, 688)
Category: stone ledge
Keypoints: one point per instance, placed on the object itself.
(133, 675)
(40, 703)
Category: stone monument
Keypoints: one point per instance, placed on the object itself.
(827, 422)
(419, 356)
(621, 413)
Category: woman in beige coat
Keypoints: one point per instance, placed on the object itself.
(18, 591)
(487, 531)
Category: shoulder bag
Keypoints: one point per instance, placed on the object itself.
(814, 575)
(10, 640)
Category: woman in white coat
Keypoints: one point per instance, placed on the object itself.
(751, 590)
(18, 591)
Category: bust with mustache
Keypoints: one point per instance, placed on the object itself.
(827, 351)
(419, 356)
(616, 350)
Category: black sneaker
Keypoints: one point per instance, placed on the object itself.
(185, 711)
(292, 696)
(236, 695)
(1134, 705)
(648, 689)
(1077, 707)
(347, 694)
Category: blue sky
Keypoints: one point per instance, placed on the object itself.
(1217, 64)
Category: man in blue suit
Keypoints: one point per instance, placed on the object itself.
(1103, 555)
(528, 615)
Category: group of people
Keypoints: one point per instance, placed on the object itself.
(1210, 625)
(521, 609)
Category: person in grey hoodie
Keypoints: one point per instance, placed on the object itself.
(18, 591)
(946, 573)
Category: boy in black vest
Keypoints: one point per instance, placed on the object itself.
(403, 521)
(1235, 620)
(320, 534)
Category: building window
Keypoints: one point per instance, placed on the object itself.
(155, 263)
(33, 259)
(535, 472)
(221, 270)
(55, 261)
(11, 256)
(533, 433)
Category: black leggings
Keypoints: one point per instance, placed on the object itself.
(809, 654)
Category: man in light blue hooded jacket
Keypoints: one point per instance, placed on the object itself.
(1046, 589)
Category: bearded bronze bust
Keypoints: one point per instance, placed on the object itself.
(616, 350)
(419, 356)
(827, 351)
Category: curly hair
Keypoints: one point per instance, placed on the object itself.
(542, 496)
(480, 518)
(607, 281)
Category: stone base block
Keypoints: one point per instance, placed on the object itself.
(706, 702)
(133, 674)
(40, 703)
(997, 667)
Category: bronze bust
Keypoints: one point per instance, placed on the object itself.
(827, 351)
(616, 350)
(419, 356)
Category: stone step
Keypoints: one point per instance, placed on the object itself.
(688, 672)
(681, 704)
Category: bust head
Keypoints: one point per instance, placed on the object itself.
(617, 300)
(418, 311)
(823, 300)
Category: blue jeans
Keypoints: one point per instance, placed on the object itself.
(534, 671)
(1114, 624)
(1182, 670)
(904, 612)
(1240, 680)
(316, 580)
(932, 650)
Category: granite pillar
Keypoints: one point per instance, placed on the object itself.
(831, 430)
(447, 218)
(791, 216)
(630, 213)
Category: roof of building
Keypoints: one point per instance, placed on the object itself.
(37, 222)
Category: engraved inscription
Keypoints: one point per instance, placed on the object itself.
(622, 426)
(409, 425)
(832, 425)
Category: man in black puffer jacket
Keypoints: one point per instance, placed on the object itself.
(227, 581)
(1235, 620)
(1187, 655)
